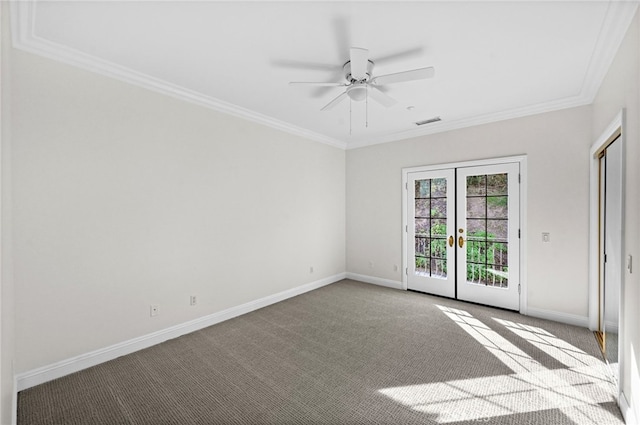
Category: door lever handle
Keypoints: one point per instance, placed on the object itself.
(451, 240)
(460, 241)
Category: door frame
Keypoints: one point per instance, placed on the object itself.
(522, 161)
(618, 125)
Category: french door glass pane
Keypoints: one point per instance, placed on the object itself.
(430, 220)
(476, 207)
(497, 206)
(423, 189)
(487, 230)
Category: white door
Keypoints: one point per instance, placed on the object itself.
(488, 235)
(463, 233)
(431, 212)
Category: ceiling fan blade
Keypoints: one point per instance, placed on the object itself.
(359, 59)
(311, 83)
(382, 98)
(335, 101)
(400, 77)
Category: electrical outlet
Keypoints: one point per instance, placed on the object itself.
(311, 269)
(193, 300)
(155, 310)
(395, 267)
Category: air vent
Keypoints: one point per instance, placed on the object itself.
(429, 121)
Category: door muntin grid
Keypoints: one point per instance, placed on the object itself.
(487, 223)
(430, 221)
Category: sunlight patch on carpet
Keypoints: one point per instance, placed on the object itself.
(576, 391)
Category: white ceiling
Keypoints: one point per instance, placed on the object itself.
(493, 60)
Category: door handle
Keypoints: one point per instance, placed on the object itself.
(460, 241)
(451, 240)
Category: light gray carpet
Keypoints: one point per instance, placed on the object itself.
(348, 353)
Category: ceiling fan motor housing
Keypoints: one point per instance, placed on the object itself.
(347, 72)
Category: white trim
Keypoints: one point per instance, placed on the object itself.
(449, 125)
(617, 123)
(557, 316)
(611, 326)
(375, 280)
(632, 413)
(524, 237)
(522, 160)
(23, 15)
(14, 402)
(616, 21)
(619, 16)
(405, 235)
(462, 164)
(65, 367)
(629, 414)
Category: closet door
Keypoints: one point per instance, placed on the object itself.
(611, 250)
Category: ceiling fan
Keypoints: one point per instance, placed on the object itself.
(361, 83)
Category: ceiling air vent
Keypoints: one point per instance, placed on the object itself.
(429, 121)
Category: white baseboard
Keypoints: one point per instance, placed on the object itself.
(611, 326)
(570, 319)
(630, 417)
(375, 280)
(556, 316)
(65, 367)
(14, 402)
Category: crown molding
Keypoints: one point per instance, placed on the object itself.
(456, 124)
(614, 27)
(24, 38)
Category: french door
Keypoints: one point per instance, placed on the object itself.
(463, 233)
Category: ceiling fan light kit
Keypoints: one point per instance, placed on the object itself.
(357, 92)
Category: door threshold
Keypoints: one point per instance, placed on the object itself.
(463, 301)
